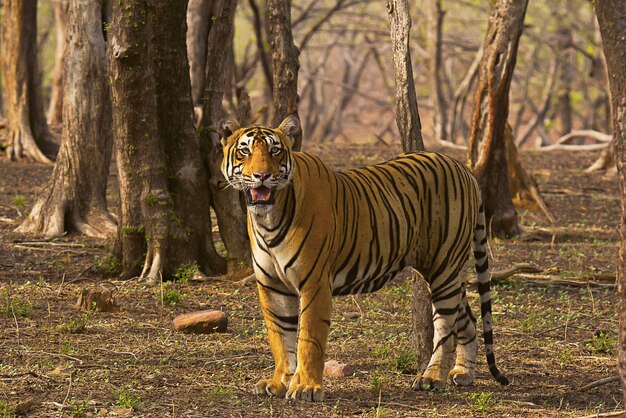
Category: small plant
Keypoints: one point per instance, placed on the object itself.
(126, 398)
(19, 202)
(186, 272)
(67, 349)
(76, 325)
(218, 392)
(108, 264)
(79, 409)
(405, 362)
(481, 401)
(17, 307)
(602, 343)
(377, 383)
(6, 410)
(565, 356)
(172, 297)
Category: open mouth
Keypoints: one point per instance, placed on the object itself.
(261, 195)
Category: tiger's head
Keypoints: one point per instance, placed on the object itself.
(257, 160)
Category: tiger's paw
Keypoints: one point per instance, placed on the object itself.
(427, 382)
(461, 376)
(304, 392)
(268, 387)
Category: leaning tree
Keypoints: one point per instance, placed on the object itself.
(75, 198)
(164, 192)
(491, 110)
(612, 20)
(28, 135)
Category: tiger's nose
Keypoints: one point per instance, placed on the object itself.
(261, 176)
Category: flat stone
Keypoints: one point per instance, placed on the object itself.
(351, 315)
(332, 368)
(201, 322)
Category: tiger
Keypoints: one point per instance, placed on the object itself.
(317, 233)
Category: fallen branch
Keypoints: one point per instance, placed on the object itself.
(587, 147)
(584, 133)
(606, 414)
(600, 382)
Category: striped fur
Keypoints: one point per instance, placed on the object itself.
(331, 233)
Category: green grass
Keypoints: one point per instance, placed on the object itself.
(481, 401)
(186, 272)
(405, 362)
(19, 201)
(76, 325)
(126, 398)
(14, 306)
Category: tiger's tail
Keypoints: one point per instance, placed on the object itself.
(479, 246)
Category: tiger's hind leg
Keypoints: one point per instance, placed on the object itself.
(464, 369)
(446, 300)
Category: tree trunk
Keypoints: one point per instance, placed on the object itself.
(407, 118)
(199, 22)
(407, 114)
(564, 45)
(491, 110)
(55, 108)
(28, 135)
(231, 215)
(285, 63)
(75, 198)
(163, 184)
(440, 115)
(612, 19)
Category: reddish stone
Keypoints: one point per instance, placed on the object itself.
(201, 322)
(332, 368)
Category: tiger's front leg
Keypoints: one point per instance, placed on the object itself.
(280, 311)
(315, 310)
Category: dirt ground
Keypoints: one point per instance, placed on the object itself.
(555, 332)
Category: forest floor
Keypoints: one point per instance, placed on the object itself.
(555, 332)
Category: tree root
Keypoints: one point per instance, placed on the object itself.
(52, 220)
(153, 267)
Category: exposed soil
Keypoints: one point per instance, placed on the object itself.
(551, 338)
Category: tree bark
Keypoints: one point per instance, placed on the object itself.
(231, 215)
(407, 114)
(55, 108)
(199, 23)
(285, 64)
(612, 20)
(491, 109)
(163, 184)
(28, 135)
(440, 115)
(407, 118)
(75, 198)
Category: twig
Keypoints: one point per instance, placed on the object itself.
(606, 414)
(67, 395)
(600, 382)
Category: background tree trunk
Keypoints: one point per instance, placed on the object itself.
(28, 135)
(407, 114)
(435, 32)
(75, 198)
(231, 215)
(491, 110)
(612, 19)
(285, 63)
(55, 108)
(407, 118)
(199, 23)
(166, 202)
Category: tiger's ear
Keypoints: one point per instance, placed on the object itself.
(290, 127)
(225, 128)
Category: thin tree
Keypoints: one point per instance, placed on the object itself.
(612, 20)
(163, 184)
(75, 198)
(199, 22)
(491, 110)
(408, 120)
(27, 131)
(55, 108)
(285, 63)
